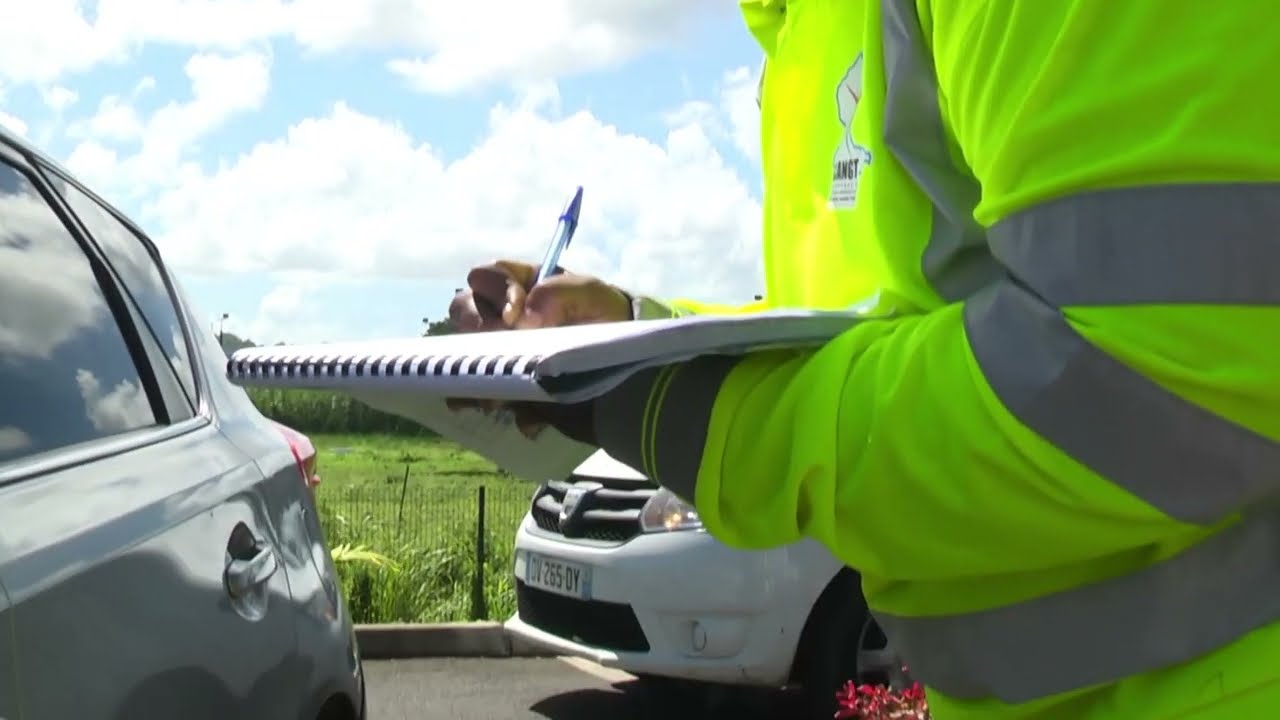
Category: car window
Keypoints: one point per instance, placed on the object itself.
(141, 276)
(66, 374)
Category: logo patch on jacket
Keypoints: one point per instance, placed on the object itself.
(850, 157)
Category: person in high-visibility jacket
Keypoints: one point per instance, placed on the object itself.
(1055, 463)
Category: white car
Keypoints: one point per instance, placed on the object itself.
(613, 569)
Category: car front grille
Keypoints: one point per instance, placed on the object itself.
(606, 511)
(611, 626)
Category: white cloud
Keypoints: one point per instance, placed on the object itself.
(459, 46)
(222, 87)
(43, 41)
(13, 124)
(447, 47)
(738, 98)
(733, 117)
(59, 98)
(39, 42)
(46, 283)
(115, 120)
(123, 407)
(289, 313)
(209, 24)
(351, 197)
(94, 163)
(354, 193)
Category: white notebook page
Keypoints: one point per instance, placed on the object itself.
(493, 435)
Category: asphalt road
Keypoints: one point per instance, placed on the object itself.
(543, 689)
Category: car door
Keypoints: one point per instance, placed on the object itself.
(8, 666)
(139, 561)
(327, 661)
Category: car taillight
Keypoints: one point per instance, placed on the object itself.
(303, 452)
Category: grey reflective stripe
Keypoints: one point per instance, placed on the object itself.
(1186, 461)
(957, 261)
(1174, 611)
(1216, 244)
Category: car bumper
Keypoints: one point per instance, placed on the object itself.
(678, 604)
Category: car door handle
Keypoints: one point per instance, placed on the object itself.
(245, 575)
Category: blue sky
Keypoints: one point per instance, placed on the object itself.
(292, 182)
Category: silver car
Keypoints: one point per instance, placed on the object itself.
(160, 555)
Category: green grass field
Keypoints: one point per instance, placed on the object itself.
(415, 501)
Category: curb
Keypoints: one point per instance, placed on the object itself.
(464, 639)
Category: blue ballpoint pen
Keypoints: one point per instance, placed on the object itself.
(564, 233)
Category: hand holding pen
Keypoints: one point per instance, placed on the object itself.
(509, 294)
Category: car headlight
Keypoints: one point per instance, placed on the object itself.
(664, 512)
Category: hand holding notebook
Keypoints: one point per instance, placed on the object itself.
(567, 365)
(412, 377)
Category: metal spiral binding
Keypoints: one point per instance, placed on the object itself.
(399, 365)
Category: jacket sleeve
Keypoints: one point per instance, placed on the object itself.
(886, 445)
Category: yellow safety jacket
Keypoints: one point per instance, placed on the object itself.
(1056, 465)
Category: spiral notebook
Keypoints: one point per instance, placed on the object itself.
(565, 364)
(411, 377)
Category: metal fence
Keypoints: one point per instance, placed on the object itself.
(437, 551)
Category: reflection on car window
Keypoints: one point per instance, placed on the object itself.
(66, 375)
(138, 271)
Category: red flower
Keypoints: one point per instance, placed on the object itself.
(877, 702)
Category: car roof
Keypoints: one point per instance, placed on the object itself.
(26, 147)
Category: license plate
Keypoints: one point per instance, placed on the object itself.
(558, 576)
